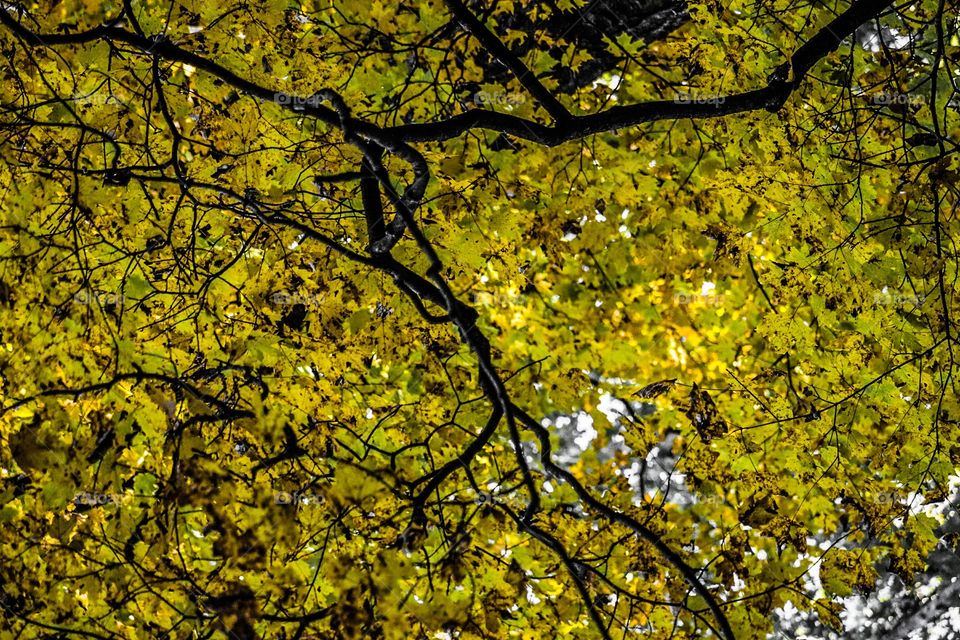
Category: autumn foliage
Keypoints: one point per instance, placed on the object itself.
(300, 304)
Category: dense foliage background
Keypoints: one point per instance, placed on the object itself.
(451, 319)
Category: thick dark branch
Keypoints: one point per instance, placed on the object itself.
(164, 48)
(372, 205)
(781, 84)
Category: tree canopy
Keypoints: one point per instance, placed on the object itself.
(473, 318)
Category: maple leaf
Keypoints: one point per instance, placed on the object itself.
(655, 389)
(703, 414)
